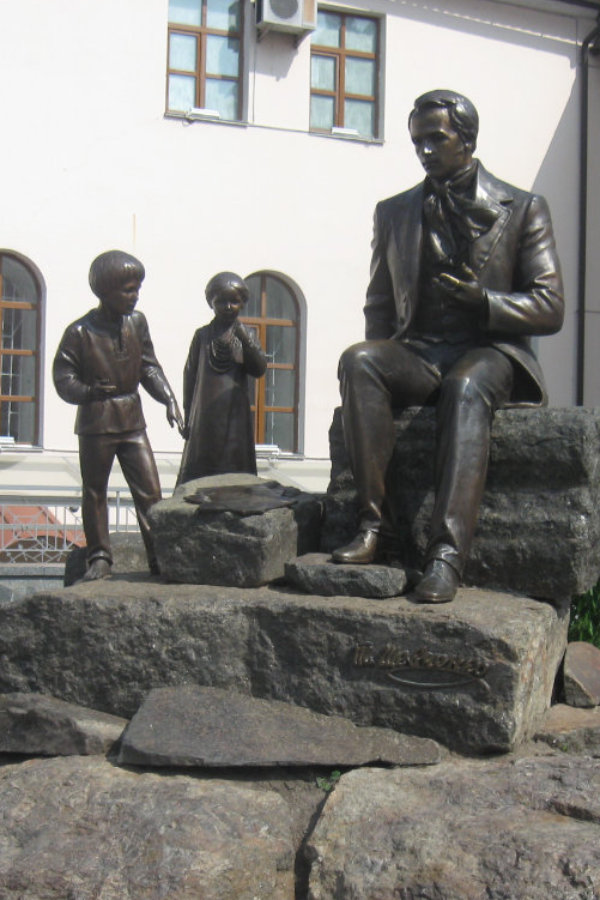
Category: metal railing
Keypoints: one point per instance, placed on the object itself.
(39, 524)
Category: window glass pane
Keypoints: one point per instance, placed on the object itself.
(18, 375)
(222, 56)
(19, 329)
(224, 15)
(182, 92)
(280, 387)
(322, 112)
(182, 52)
(222, 96)
(17, 282)
(279, 429)
(280, 304)
(252, 307)
(5, 419)
(281, 343)
(328, 31)
(359, 114)
(361, 34)
(18, 421)
(322, 72)
(185, 12)
(360, 76)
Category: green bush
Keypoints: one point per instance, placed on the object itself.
(585, 617)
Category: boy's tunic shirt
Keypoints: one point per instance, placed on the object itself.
(96, 349)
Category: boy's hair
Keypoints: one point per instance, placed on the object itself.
(224, 280)
(112, 269)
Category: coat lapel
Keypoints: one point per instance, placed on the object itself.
(495, 195)
(408, 237)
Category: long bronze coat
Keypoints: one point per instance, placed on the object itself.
(217, 410)
(515, 262)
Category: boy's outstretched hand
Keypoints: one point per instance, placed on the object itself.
(174, 416)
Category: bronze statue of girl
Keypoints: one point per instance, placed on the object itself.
(218, 426)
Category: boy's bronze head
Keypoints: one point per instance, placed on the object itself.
(112, 269)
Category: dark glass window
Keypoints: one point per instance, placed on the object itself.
(20, 300)
(272, 311)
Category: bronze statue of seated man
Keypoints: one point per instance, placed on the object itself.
(464, 272)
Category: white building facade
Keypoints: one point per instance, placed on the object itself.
(185, 134)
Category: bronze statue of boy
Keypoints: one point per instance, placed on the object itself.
(464, 272)
(100, 363)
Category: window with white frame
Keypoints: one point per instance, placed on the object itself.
(345, 74)
(205, 57)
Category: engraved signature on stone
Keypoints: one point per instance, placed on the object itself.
(421, 667)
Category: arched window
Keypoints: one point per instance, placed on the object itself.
(20, 320)
(274, 311)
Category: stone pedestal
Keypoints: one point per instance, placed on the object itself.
(539, 525)
(476, 674)
(315, 573)
(195, 545)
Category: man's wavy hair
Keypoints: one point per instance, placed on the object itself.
(463, 115)
(112, 269)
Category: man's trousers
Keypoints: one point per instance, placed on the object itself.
(466, 383)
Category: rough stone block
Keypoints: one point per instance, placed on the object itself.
(571, 730)
(539, 525)
(196, 726)
(526, 829)
(35, 724)
(476, 674)
(82, 828)
(582, 674)
(196, 546)
(316, 574)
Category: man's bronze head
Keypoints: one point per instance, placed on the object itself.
(462, 113)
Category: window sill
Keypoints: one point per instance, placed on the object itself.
(203, 120)
(346, 136)
(13, 447)
(352, 138)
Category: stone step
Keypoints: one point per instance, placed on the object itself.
(476, 674)
(191, 726)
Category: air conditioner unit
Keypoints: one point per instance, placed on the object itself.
(290, 16)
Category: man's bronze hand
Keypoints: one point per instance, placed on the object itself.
(465, 290)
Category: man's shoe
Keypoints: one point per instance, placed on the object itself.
(361, 551)
(438, 584)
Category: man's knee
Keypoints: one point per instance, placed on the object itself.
(486, 381)
(466, 391)
(354, 359)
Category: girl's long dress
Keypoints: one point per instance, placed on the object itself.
(217, 410)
